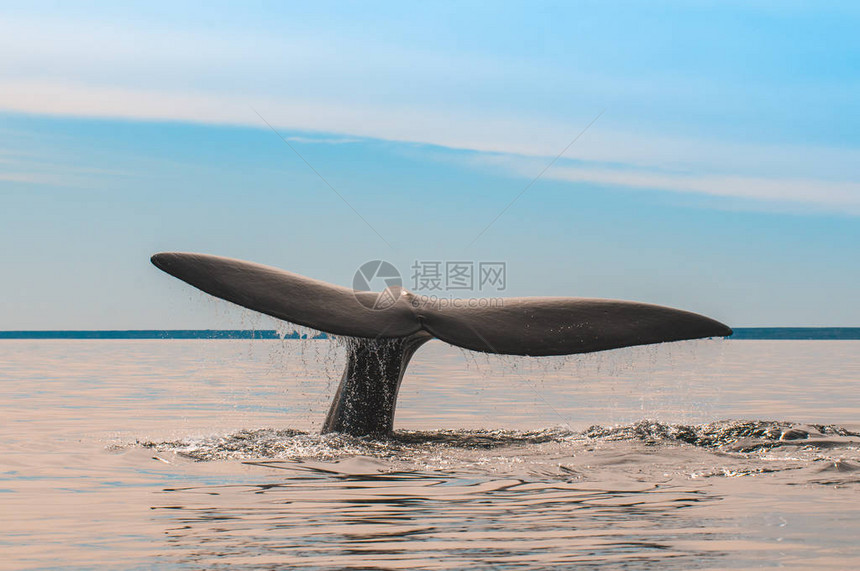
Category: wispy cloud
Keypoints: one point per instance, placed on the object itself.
(811, 175)
(29, 168)
(324, 140)
(341, 87)
(831, 195)
(711, 174)
(61, 180)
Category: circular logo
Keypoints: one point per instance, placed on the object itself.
(377, 275)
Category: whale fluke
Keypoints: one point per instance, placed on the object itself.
(385, 339)
(543, 326)
(288, 296)
(537, 326)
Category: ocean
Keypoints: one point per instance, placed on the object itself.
(204, 453)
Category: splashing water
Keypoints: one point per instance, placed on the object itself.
(735, 447)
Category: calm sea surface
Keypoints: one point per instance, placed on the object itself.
(205, 454)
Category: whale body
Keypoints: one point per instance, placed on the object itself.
(381, 341)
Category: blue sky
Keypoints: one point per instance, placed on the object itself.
(722, 176)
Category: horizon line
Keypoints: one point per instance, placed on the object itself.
(740, 333)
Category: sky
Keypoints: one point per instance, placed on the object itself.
(702, 155)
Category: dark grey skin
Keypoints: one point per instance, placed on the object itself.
(382, 341)
(366, 398)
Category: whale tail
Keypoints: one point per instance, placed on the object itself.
(385, 329)
(537, 326)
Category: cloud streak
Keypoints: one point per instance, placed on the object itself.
(605, 157)
(339, 86)
(831, 195)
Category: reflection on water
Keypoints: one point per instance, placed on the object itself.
(409, 520)
(205, 454)
(640, 494)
